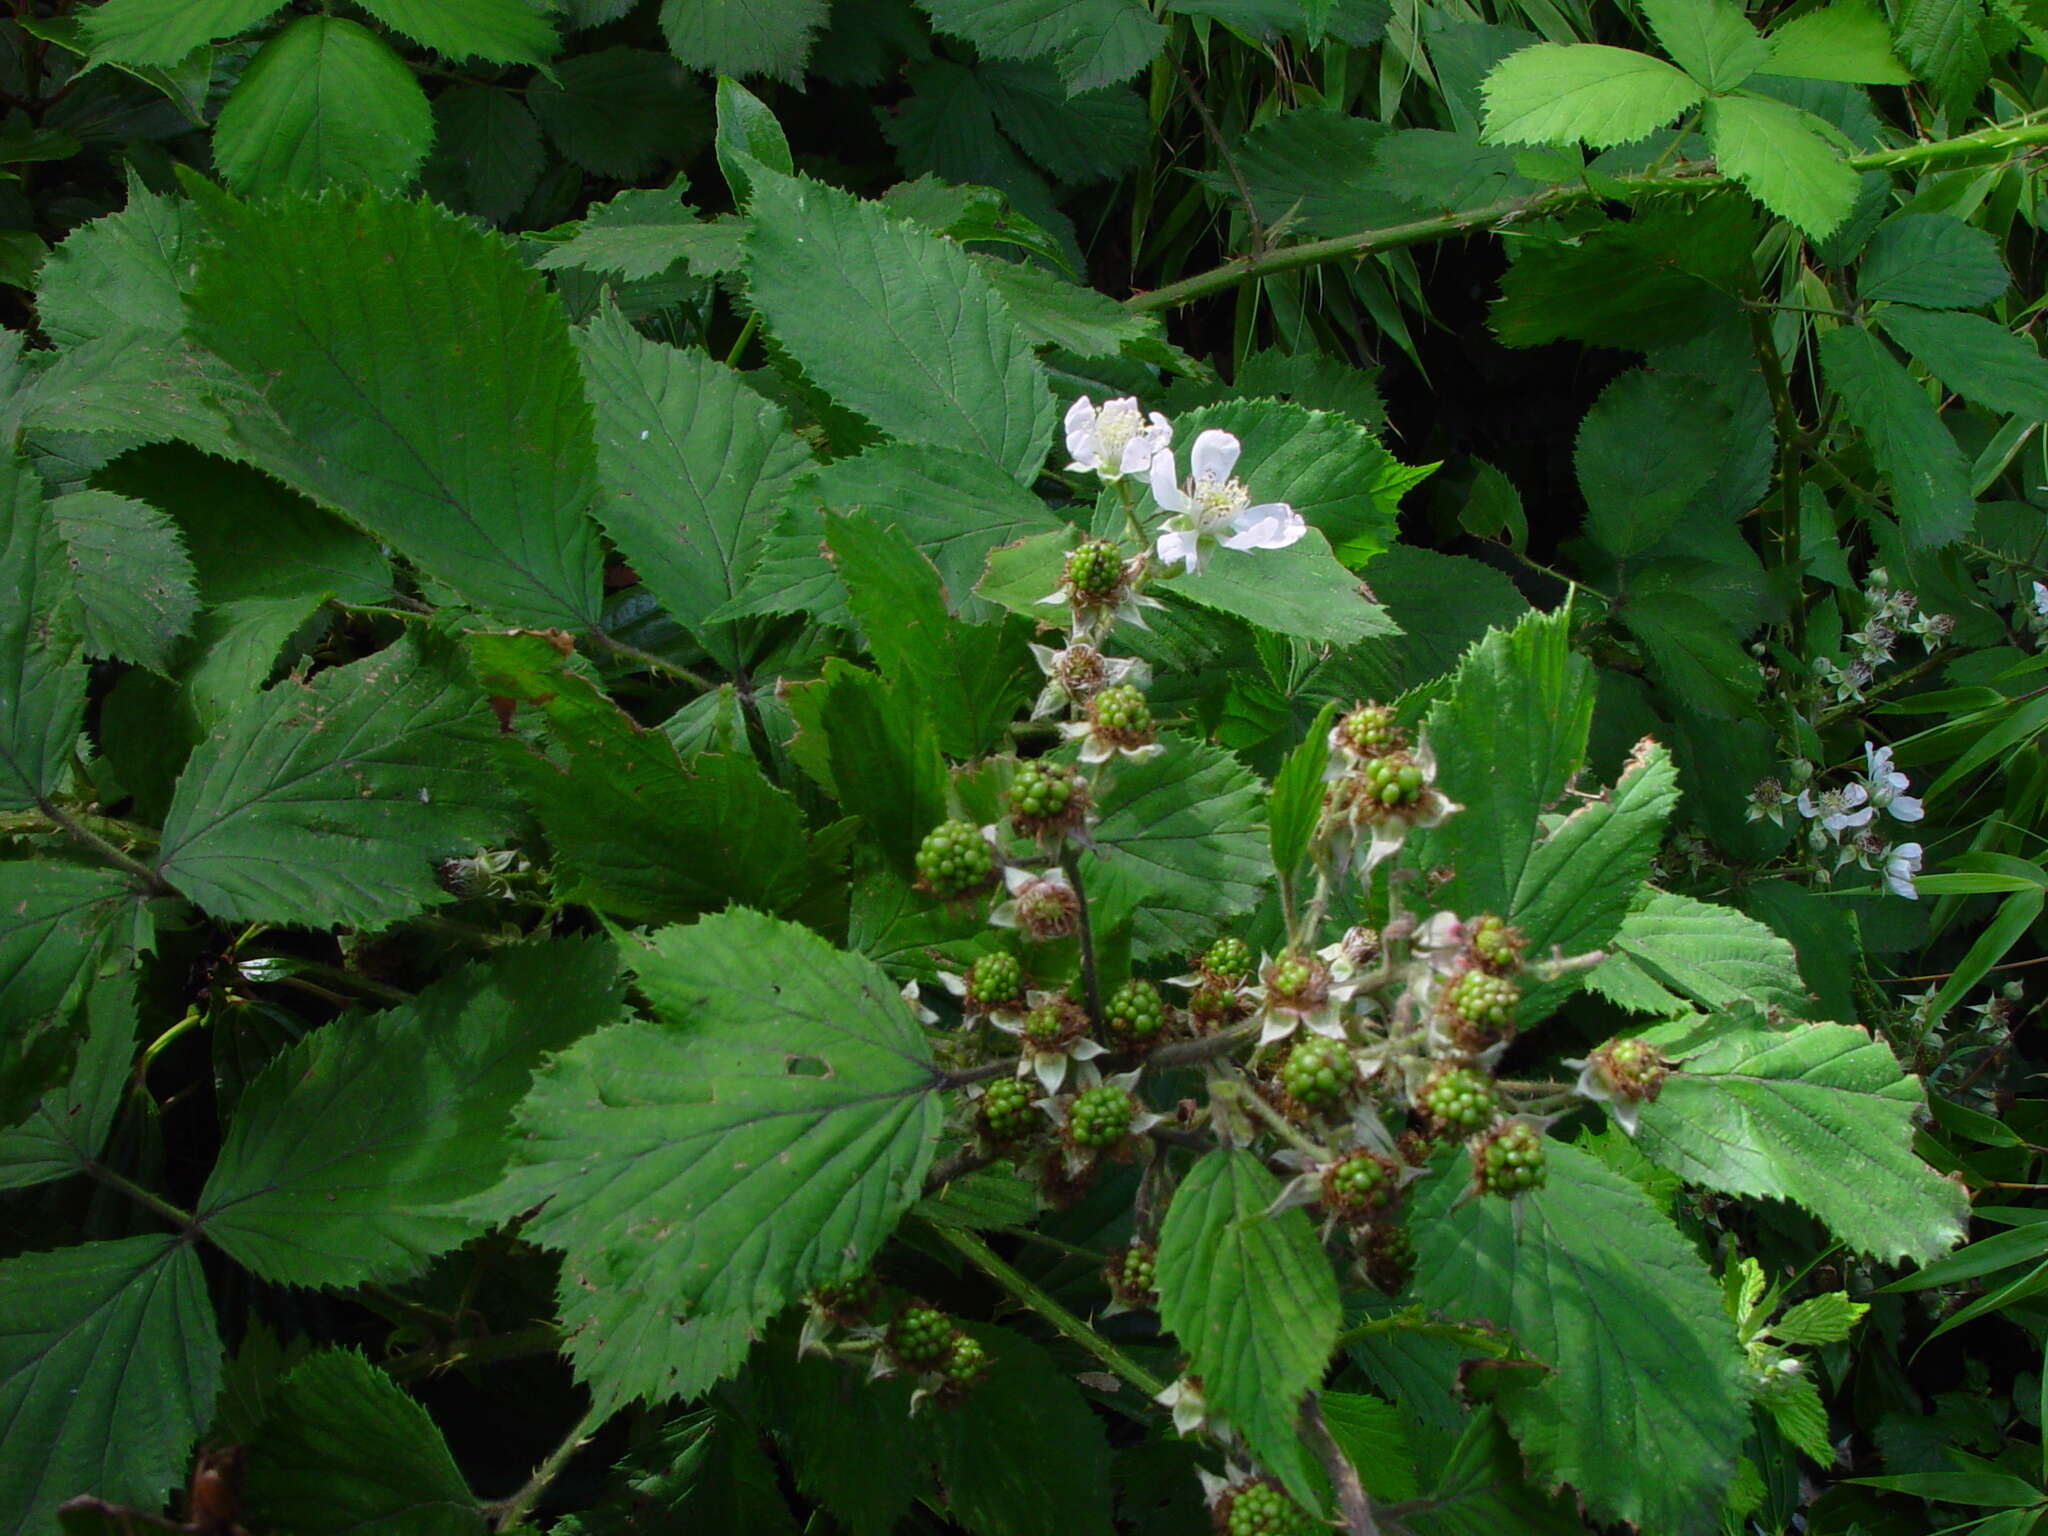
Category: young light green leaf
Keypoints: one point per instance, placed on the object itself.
(118, 275)
(1795, 1407)
(496, 31)
(693, 464)
(747, 130)
(1822, 1117)
(1645, 1404)
(1296, 800)
(618, 803)
(743, 37)
(345, 1452)
(1251, 1297)
(1094, 42)
(447, 417)
(1187, 849)
(1849, 41)
(898, 325)
(42, 674)
(1711, 40)
(1565, 93)
(133, 579)
(68, 1124)
(764, 1135)
(331, 801)
(163, 32)
(1824, 1319)
(1919, 460)
(1933, 260)
(326, 103)
(1977, 358)
(109, 1363)
(344, 1151)
(1773, 150)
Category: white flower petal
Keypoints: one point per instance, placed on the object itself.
(1214, 456)
(1270, 525)
(1179, 546)
(1166, 484)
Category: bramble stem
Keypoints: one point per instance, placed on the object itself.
(653, 663)
(984, 1258)
(80, 833)
(1070, 862)
(1351, 1496)
(510, 1512)
(183, 1220)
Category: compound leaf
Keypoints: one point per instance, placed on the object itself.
(1644, 1406)
(343, 1150)
(1709, 39)
(331, 801)
(1822, 1117)
(763, 1134)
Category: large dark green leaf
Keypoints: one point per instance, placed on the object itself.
(1919, 460)
(42, 674)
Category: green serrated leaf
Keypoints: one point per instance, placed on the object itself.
(1710, 40)
(1632, 501)
(163, 32)
(1375, 1440)
(743, 37)
(133, 580)
(1795, 1407)
(488, 154)
(326, 103)
(1644, 1406)
(693, 464)
(617, 802)
(1822, 1117)
(109, 1363)
(764, 1135)
(330, 801)
(1944, 43)
(66, 1128)
(1251, 1297)
(1849, 40)
(1824, 1319)
(1691, 645)
(852, 1444)
(42, 673)
(1187, 847)
(1977, 358)
(1933, 260)
(342, 1153)
(1920, 461)
(1713, 956)
(1773, 150)
(898, 325)
(448, 418)
(497, 31)
(1296, 801)
(1093, 42)
(621, 112)
(643, 233)
(345, 1452)
(118, 275)
(1565, 93)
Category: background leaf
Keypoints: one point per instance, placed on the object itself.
(42, 676)
(497, 31)
(742, 37)
(1913, 450)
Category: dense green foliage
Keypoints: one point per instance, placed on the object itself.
(1022, 766)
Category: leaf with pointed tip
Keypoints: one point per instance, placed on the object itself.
(109, 1363)
(69, 1123)
(1094, 42)
(1977, 358)
(1849, 41)
(1822, 1117)
(497, 31)
(1933, 260)
(1773, 150)
(1565, 93)
(764, 1134)
(331, 801)
(1710, 40)
(118, 274)
(132, 577)
(163, 32)
(1673, 953)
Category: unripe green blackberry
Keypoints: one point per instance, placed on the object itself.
(1229, 959)
(1495, 946)
(1371, 730)
(1043, 797)
(995, 980)
(1484, 1000)
(1094, 571)
(1511, 1160)
(1261, 1509)
(1359, 1185)
(967, 1361)
(1460, 1099)
(1122, 710)
(1007, 1111)
(1395, 781)
(1135, 1012)
(848, 1300)
(1213, 1007)
(1101, 1116)
(1054, 1023)
(1287, 977)
(1133, 1278)
(1319, 1072)
(954, 859)
(921, 1337)
(1631, 1070)
(1389, 1258)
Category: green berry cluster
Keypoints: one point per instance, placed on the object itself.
(1229, 960)
(1496, 947)
(1121, 710)
(1041, 795)
(848, 1299)
(921, 1337)
(1390, 1258)
(1053, 1023)
(1394, 781)
(1133, 1276)
(1094, 571)
(1632, 1069)
(1006, 1108)
(1371, 730)
(955, 859)
(1212, 1007)
(1261, 1509)
(1460, 1098)
(967, 1361)
(995, 979)
(1360, 1184)
(1319, 1072)
(1289, 977)
(1101, 1116)
(1135, 1012)
(1483, 999)
(1511, 1160)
